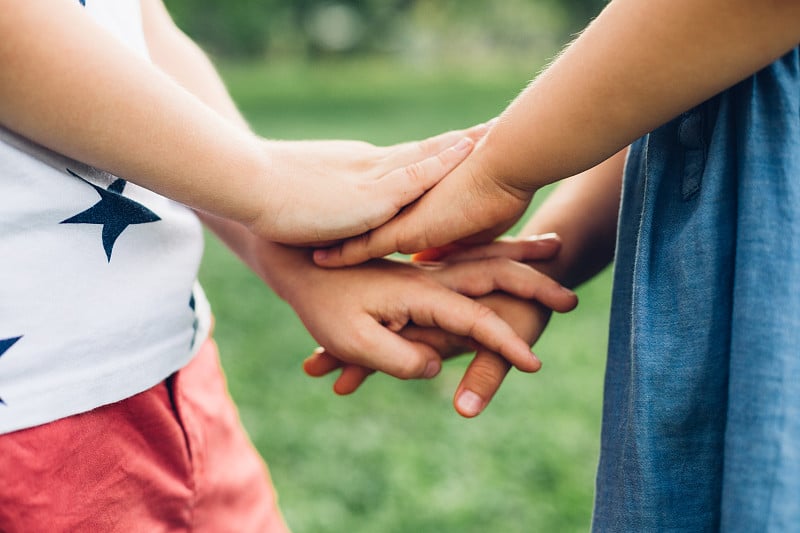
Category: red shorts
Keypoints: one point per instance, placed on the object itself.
(173, 458)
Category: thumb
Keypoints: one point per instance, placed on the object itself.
(406, 184)
(465, 203)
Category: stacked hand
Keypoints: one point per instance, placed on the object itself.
(400, 318)
(469, 203)
(469, 206)
(336, 189)
(525, 307)
(403, 318)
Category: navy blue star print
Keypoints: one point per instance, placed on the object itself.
(195, 322)
(5, 344)
(114, 212)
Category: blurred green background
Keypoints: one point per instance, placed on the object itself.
(395, 457)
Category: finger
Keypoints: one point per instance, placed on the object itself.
(408, 183)
(407, 153)
(436, 254)
(465, 317)
(481, 381)
(461, 205)
(320, 363)
(351, 378)
(446, 344)
(479, 278)
(356, 250)
(405, 233)
(533, 248)
(410, 231)
(378, 348)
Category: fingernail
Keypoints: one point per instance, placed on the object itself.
(319, 350)
(320, 255)
(469, 403)
(432, 369)
(542, 237)
(463, 144)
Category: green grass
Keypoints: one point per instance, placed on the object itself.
(395, 457)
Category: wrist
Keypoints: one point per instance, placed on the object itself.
(266, 195)
(287, 270)
(497, 158)
(576, 262)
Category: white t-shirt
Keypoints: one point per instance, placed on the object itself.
(98, 293)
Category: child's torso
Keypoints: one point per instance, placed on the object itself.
(98, 292)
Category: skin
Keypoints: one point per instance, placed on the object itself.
(643, 62)
(149, 125)
(359, 310)
(637, 65)
(381, 297)
(583, 210)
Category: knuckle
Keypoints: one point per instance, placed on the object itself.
(474, 283)
(359, 341)
(418, 277)
(487, 372)
(415, 172)
(356, 246)
(502, 263)
(410, 368)
(407, 242)
(482, 315)
(364, 240)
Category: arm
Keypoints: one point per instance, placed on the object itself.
(638, 64)
(69, 85)
(583, 210)
(368, 297)
(357, 311)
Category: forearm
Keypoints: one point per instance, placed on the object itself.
(583, 210)
(639, 64)
(183, 61)
(282, 268)
(112, 109)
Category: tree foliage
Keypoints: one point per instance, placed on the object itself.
(314, 27)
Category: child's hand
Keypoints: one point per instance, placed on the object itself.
(468, 203)
(487, 370)
(197, 150)
(524, 249)
(337, 189)
(356, 312)
(485, 373)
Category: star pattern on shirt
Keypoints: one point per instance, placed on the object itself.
(114, 212)
(195, 320)
(5, 344)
